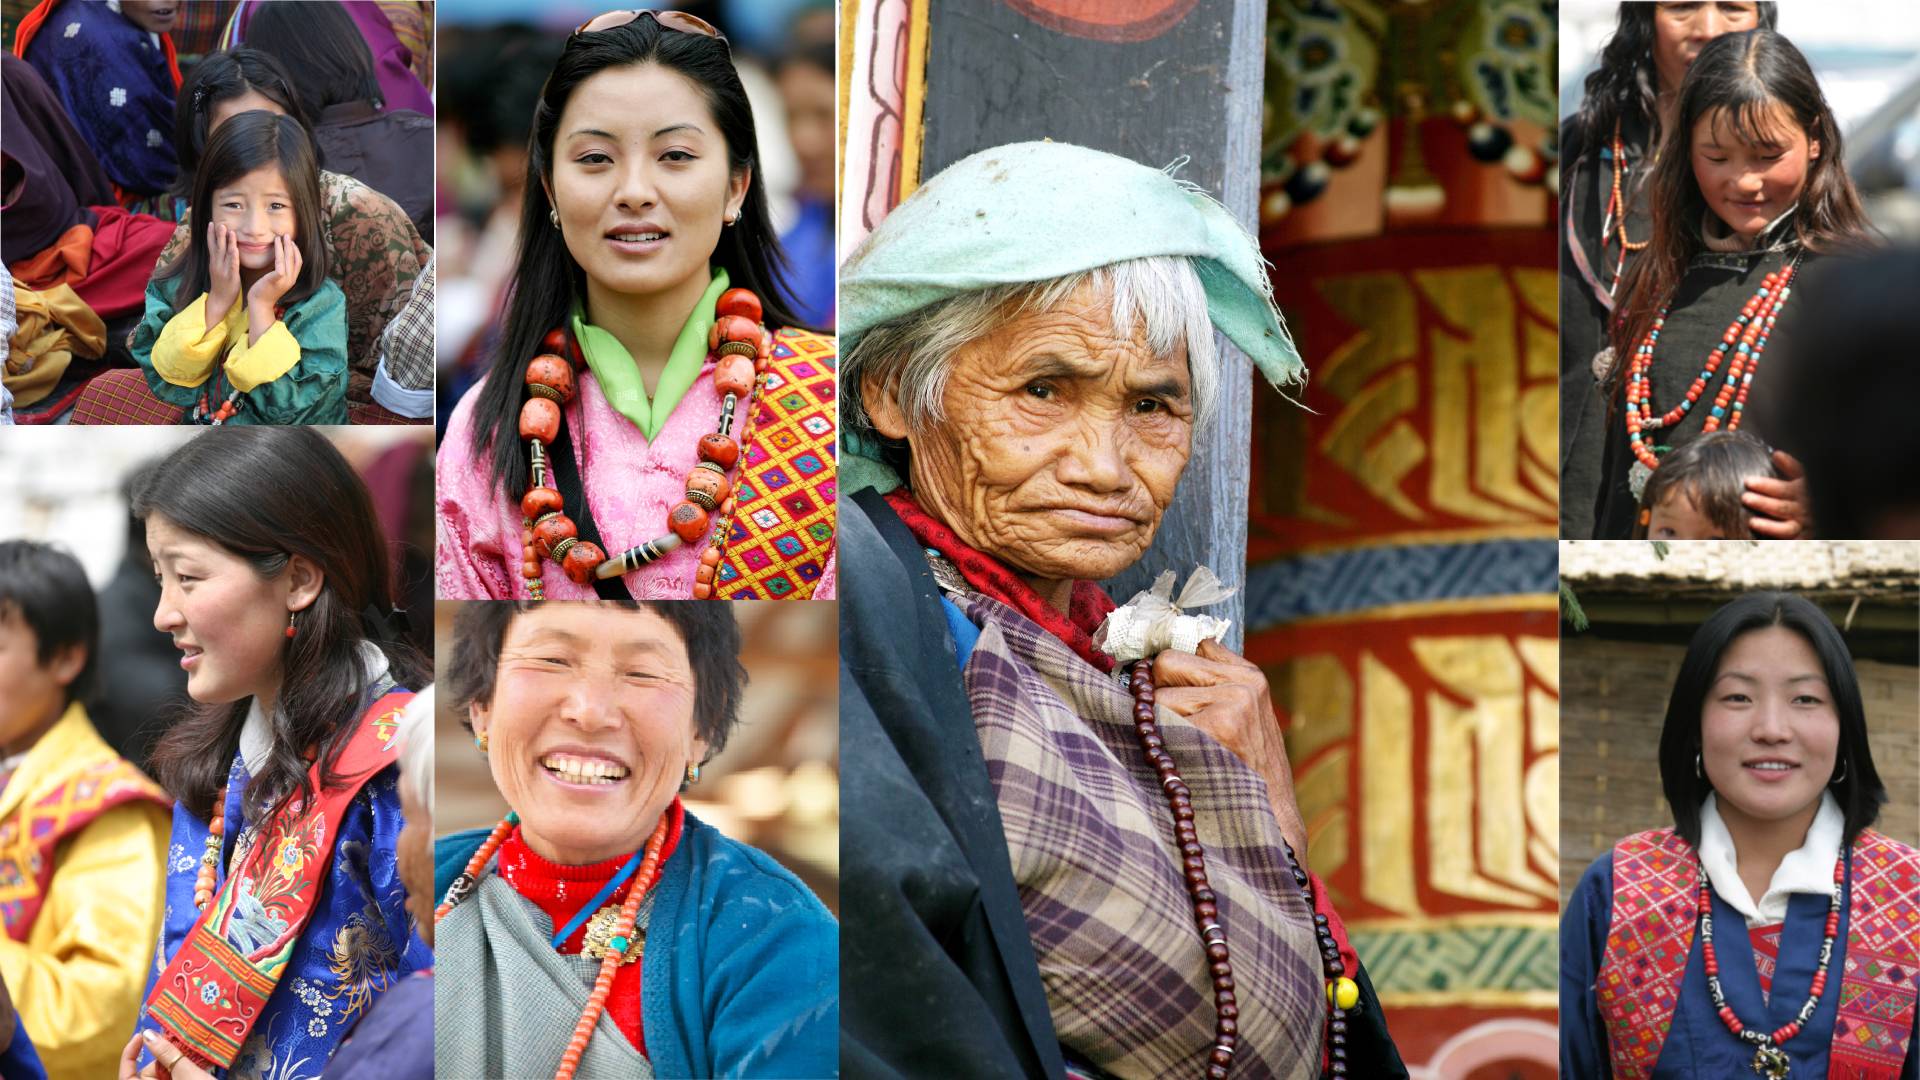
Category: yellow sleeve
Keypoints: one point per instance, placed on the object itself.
(78, 978)
(272, 356)
(187, 348)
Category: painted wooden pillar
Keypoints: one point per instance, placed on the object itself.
(1150, 80)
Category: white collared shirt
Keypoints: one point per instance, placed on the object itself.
(256, 736)
(1806, 870)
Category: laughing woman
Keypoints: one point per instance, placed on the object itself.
(285, 916)
(1765, 762)
(629, 440)
(600, 929)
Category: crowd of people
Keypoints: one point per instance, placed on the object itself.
(234, 232)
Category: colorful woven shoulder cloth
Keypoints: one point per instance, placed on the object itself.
(783, 523)
(29, 836)
(1875, 1024)
(1655, 901)
(1655, 889)
(214, 989)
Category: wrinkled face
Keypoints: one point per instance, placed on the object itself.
(811, 99)
(248, 101)
(1769, 730)
(641, 182)
(1680, 31)
(153, 16)
(1061, 445)
(257, 207)
(590, 728)
(32, 693)
(229, 624)
(1677, 518)
(1749, 185)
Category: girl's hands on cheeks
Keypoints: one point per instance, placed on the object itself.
(274, 284)
(223, 267)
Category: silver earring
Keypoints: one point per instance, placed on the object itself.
(1842, 776)
(553, 216)
(733, 218)
(1697, 767)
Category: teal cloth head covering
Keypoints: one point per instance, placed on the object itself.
(1036, 211)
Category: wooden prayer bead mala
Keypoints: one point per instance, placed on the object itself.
(744, 348)
(1342, 992)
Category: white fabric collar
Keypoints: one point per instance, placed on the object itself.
(256, 735)
(1807, 870)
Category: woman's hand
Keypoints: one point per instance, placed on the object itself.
(223, 271)
(274, 284)
(1227, 697)
(1780, 506)
(163, 1052)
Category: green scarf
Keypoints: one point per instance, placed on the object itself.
(619, 376)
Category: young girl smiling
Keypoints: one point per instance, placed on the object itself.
(1748, 188)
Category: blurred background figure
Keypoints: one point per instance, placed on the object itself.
(493, 62)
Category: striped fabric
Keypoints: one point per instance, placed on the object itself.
(121, 396)
(1101, 882)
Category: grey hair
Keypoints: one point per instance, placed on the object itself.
(913, 354)
(415, 736)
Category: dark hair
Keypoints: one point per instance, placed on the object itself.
(48, 590)
(223, 76)
(709, 632)
(1850, 424)
(546, 279)
(267, 494)
(249, 141)
(322, 49)
(1626, 85)
(1744, 76)
(1859, 792)
(1712, 470)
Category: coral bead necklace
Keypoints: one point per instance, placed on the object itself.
(1744, 340)
(1768, 1059)
(744, 348)
(1615, 223)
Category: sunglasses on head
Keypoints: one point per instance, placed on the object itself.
(667, 20)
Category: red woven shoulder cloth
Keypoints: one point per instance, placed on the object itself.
(1650, 933)
(28, 837)
(783, 520)
(212, 992)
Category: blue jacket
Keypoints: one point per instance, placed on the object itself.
(751, 983)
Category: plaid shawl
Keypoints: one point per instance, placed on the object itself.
(1100, 879)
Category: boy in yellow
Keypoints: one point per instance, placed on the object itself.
(83, 833)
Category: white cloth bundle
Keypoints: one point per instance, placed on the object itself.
(1153, 622)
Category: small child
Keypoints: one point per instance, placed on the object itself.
(244, 326)
(1695, 493)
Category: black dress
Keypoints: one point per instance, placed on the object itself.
(1586, 274)
(1711, 294)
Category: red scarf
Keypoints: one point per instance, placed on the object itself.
(560, 890)
(990, 577)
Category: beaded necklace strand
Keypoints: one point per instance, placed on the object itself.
(617, 944)
(1615, 222)
(745, 348)
(1342, 992)
(1768, 1059)
(1744, 340)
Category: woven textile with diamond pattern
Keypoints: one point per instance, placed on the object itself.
(1650, 938)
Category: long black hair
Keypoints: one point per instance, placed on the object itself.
(1742, 76)
(1625, 87)
(223, 76)
(267, 494)
(321, 48)
(249, 141)
(1859, 790)
(546, 280)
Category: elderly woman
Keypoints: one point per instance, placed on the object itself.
(1058, 873)
(600, 929)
